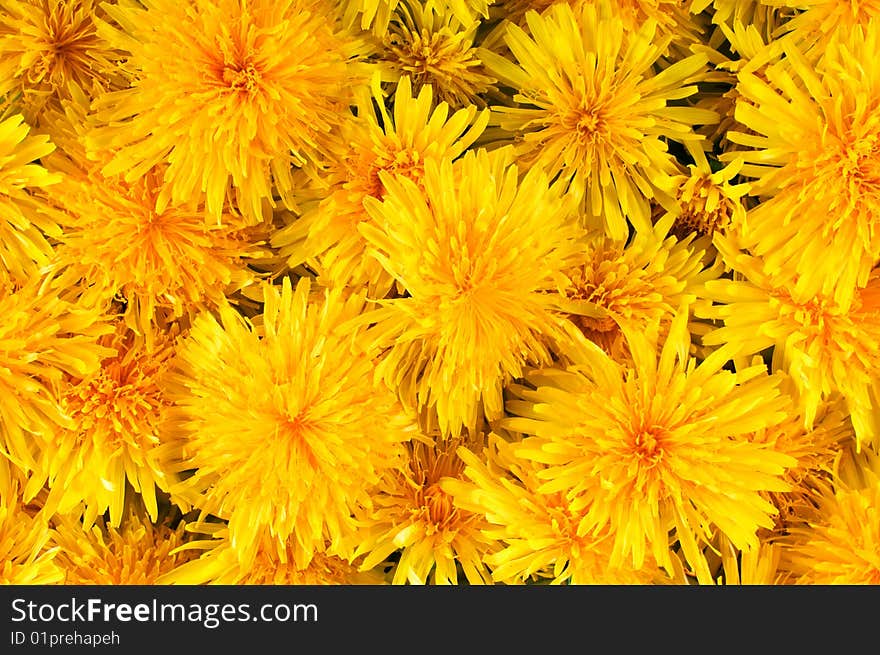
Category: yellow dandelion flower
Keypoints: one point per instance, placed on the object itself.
(704, 201)
(220, 564)
(592, 110)
(813, 22)
(42, 339)
(25, 554)
(326, 236)
(537, 532)
(814, 152)
(138, 552)
(224, 92)
(655, 447)
(411, 514)
(50, 48)
(616, 288)
(163, 265)
(437, 49)
(825, 346)
(115, 414)
(746, 45)
(24, 229)
(841, 543)
(282, 424)
(675, 23)
(816, 450)
(731, 566)
(376, 15)
(476, 250)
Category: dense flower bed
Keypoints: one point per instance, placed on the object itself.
(382, 291)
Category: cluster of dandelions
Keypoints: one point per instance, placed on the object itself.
(366, 291)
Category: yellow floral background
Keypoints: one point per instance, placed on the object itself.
(445, 292)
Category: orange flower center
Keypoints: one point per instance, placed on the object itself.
(647, 445)
(695, 195)
(852, 157)
(406, 161)
(245, 77)
(121, 403)
(66, 37)
(295, 432)
(588, 123)
(437, 505)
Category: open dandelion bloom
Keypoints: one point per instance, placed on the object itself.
(137, 553)
(816, 450)
(24, 228)
(326, 236)
(841, 542)
(657, 446)
(815, 153)
(284, 426)
(593, 111)
(750, 47)
(814, 22)
(49, 48)
(536, 533)
(115, 414)
(434, 47)
(476, 249)
(25, 557)
(271, 565)
(825, 346)
(413, 514)
(636, 287)
(224, 92)
(163, 265)
(43, 339)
